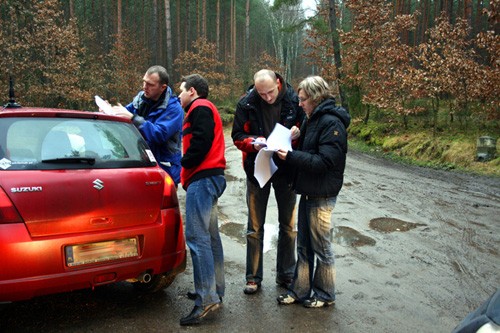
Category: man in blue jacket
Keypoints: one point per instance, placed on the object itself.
(158, 115)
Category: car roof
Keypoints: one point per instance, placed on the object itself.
(54, 112)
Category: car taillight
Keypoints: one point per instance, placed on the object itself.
(8, 213)
(169, 194)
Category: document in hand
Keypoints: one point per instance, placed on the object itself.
(280, 138)
(103, 105)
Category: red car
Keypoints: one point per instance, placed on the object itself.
(83, 203)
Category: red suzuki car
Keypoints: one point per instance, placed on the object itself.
(82, 203)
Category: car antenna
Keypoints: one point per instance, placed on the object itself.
(12, 101)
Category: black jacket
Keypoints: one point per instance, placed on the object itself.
(248, 125)
(319, 161)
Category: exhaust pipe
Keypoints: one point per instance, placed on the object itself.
(144, 277)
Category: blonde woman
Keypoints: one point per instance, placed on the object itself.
(319, 164)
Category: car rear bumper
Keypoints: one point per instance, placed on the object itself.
(33, 267)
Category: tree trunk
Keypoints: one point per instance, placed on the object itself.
(233, 32)
(367, 114)
(168, 32)
(119, 22)
(198, 20)
(217, 29)
(154, 32)
(468, 12)
(204, 20)
(187, 27)
(178, 27)
(246, 48)
(336, 49)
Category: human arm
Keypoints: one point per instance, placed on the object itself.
(120, 110)
(161, 124)
(242, 132)
(322, 151)
(201, 129)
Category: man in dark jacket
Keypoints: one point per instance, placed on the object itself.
(270, 101)
(158, 115)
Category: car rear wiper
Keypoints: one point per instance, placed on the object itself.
(89, 160)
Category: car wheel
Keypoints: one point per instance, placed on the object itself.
(158, 282)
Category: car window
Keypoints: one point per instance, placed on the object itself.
(47, 143)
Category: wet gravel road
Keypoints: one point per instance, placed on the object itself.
(417, 249)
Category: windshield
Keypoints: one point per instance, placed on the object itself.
(61, 143)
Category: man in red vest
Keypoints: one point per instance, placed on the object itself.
(202, 176)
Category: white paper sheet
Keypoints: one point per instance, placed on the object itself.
(280, 138)
(103, 105)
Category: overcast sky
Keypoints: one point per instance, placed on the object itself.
(306, 4)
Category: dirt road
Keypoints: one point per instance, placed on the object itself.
(417, 250)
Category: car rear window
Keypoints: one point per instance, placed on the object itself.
(62, 143)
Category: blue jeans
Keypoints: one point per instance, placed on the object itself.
(314, 242)
(257, 199)
(203, 239)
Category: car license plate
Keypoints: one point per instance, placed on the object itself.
(90, 253)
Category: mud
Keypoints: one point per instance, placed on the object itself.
(416, 251)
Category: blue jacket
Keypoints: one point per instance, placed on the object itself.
(161, 127)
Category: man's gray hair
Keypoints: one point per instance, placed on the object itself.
(162, 73)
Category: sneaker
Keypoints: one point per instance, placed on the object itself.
(317, 303)
(286, 299)
(251, 288)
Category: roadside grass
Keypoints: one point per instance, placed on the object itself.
(453, 149)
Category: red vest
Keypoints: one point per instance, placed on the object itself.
(215, 157)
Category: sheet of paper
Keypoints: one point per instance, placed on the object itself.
(264, 166)
(103, 105)
(280, 138)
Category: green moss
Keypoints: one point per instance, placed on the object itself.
(445, 150)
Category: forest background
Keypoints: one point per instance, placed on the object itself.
(420, 78)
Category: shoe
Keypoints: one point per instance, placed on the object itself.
(286, 299)
(284, 283)
(317, 303)
(192, 296)
(251, 288)
(197, 314)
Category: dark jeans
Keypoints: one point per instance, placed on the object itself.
(257, 199)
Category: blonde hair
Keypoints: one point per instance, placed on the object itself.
(316, 88)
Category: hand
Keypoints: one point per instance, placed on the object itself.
(282, 154)
(120, 110)
(295, 132)
(259, 143)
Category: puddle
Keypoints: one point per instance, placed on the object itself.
(237, 232)
(230, 178)
(349, 237)
(342, 235)
(389, 224)
(234, 231)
